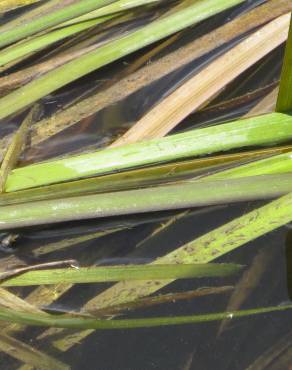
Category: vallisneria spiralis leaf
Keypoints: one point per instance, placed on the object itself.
(206, 84)
(104, 55)
(162, 299)
(262, 130)
(17, 51)
(281, 163)
(116, 7)
(7, 5)
(249, 282)
(49, 20)
(150, 72)
(268, 104)
(166, 173)
(117, 273)
(30, 356)
(85, 322)
(17, 145)
(12, 301)
(205, 249)
(178, 196)
(284, 103)
(279, 352)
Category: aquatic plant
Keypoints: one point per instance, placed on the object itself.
(149, 167)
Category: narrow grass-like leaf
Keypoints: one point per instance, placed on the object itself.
(116, 7)
(281, 163)
(266, 105)
(263, 130)
(182, 195)
(31, 356)
(207, 248)
(204, 249)
(12, 301)
(151, 71)
(37, 12)
(49, 20)
(162, 299)
(22, 76)
(206, 84)
(67, 243)
(284, 102)
(156, 175)
(279, 354)
(10, 273)
(117, 273)
(164, 226)
(75, 322)
(17, 145)
(248, 282)
(106, 54)
(101, 15)
(7, 5)
(17, 51)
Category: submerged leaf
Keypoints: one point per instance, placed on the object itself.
(29, 355)
(161, 299)
(248, 283)
(75, 322)
(36, 276)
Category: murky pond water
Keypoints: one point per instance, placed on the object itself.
(250, 343)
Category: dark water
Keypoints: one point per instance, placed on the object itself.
(199, 346)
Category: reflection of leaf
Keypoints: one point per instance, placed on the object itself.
(66, 243)
(277, 357)
(248, 282)
(189, 361)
